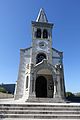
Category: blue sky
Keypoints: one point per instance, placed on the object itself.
(15, 33)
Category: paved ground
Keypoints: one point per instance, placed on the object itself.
(5, 95)
(12, 101)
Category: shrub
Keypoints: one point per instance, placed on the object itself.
(69, 94)
(2, 89)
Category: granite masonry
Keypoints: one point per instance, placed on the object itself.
(41, 72)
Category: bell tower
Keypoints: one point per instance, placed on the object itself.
(41, 38)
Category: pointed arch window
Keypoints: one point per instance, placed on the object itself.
(45, 33)
(38, 33)
(40, 57)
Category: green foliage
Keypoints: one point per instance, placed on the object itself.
(69, 94)
(2, 89)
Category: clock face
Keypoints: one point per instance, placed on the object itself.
(42, 45)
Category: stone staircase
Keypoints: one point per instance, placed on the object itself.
(39, 111)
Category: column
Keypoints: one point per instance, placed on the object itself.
(55, 88)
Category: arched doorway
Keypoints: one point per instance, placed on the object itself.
(41, 87)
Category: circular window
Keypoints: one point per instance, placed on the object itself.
(42, 45)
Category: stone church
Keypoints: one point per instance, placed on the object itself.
(41, 72)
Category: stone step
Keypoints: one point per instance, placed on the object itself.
(40, 108)
(47, 100)
(36, 119)
(41, 105)
(38, 105)
(41, 116)
(37, 112)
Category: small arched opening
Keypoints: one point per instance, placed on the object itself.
(38, 33)
(45, 33)
(27, 78)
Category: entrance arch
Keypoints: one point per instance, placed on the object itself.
(41, 87)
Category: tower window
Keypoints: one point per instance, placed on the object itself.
(38, 33)
(40, 57)
(45, 33)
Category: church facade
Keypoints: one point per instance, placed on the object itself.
(41, 73)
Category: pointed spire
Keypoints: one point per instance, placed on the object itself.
(41, 16)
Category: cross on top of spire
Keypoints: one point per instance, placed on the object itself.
(41, 16)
